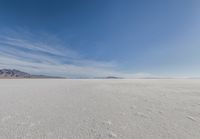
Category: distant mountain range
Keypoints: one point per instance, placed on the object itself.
(17, 74)
(13, 73)
(108, 77)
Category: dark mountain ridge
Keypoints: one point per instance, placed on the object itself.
(13, 73)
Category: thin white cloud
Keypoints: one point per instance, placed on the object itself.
(50, 56)
(41, 57)
(61, 70)
(36, 46)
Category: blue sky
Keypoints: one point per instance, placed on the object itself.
(92, 38)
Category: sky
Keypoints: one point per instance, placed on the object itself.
(97, 38)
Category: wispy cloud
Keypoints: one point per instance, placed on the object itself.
(46, 54)
(40, 56)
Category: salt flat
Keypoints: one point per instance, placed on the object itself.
(99, 109)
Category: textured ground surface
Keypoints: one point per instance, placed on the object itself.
(99, 109)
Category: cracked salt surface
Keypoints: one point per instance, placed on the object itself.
(99, 109)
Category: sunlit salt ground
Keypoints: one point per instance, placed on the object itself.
(99, 109)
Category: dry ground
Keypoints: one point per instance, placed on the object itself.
(99, 109)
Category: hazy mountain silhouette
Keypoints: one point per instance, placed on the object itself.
(13, 73)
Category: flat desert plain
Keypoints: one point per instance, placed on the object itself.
(99, 109)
